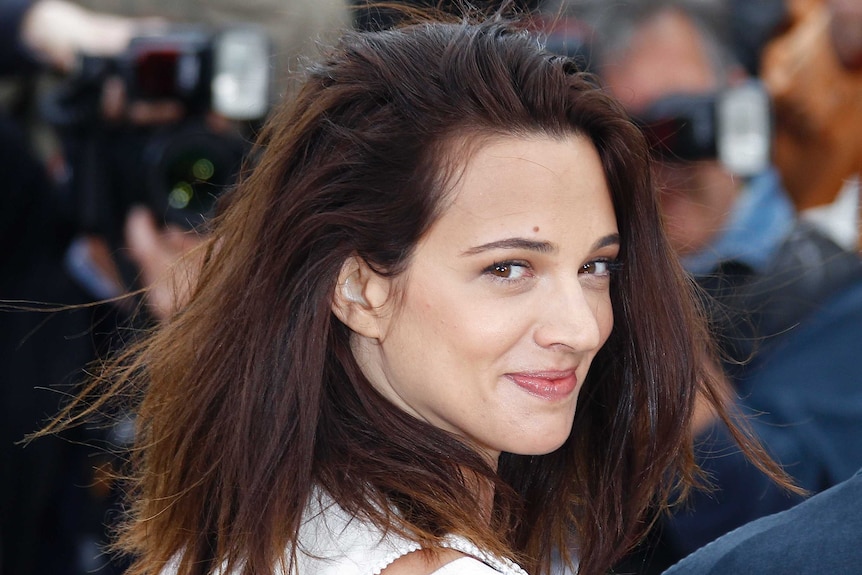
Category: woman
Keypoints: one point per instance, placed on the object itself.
(448, 242)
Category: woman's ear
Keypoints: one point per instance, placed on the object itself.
(360, 298)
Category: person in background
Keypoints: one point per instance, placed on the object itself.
(439, 329)
(766, 272)
(825, 41)
(818, 150)
(53, 499)
(296, 27)
(58, 495)
(46, 520)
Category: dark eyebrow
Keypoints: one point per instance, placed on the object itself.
(535, 246)
(608, 240)
(512, 244)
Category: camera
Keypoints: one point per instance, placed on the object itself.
(733, 126)
(177, 169)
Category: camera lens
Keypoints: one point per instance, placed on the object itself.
(192, 167)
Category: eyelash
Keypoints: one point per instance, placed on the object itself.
(499, 266)
(612, 266)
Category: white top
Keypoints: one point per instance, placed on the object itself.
(334, 543)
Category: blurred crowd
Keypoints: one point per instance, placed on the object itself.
(750, 109)
(753, 110)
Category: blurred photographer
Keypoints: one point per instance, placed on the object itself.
(77, 230)
(57, 36)
(48, 518)
(771, 277)
(165, 125)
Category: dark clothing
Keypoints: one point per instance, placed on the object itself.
(42, 493)
(752, 310)
(792, 335)
(46, 506)
(804, 393)
(821, 535)
(50, 506)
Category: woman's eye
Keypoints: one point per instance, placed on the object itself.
(600, 267)
(508, 270)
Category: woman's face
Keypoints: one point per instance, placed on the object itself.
(506, 299)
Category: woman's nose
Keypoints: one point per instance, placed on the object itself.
(573, 317)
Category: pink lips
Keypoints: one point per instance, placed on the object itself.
(548, 385)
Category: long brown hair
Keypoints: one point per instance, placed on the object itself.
(251, 397)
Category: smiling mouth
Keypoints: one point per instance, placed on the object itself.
(550, 386)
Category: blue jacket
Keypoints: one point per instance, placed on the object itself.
(804, 394)
(820, 535)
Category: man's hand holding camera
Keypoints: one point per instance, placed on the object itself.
(59, 34)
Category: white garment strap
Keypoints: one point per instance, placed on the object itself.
(499, 564)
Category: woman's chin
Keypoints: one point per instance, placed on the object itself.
(544, 446)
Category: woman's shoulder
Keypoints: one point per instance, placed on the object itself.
(333, 542)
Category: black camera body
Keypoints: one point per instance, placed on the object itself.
(733, 126)
(176, 169)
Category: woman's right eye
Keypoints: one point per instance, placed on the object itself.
(509, 271)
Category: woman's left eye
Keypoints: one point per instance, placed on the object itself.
(599, 267)
(509, 271)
